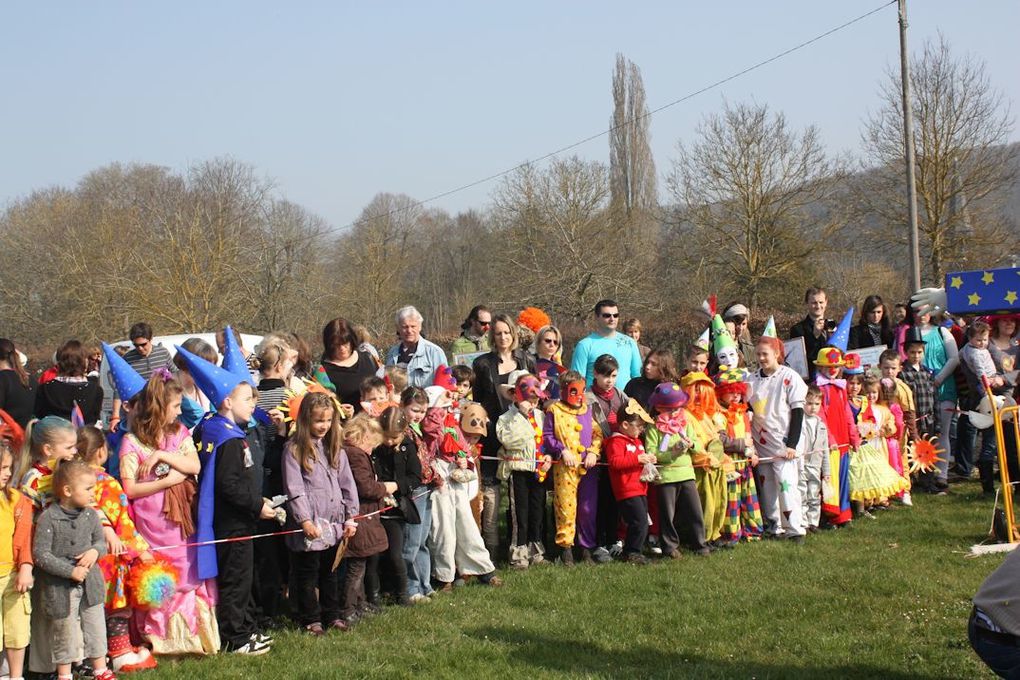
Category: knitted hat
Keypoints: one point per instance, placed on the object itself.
(852, 364)
(233, 357)
(215, 382)
(841, 336)
(444, 378)
(829, 357)
(474, 419)
(770, 328)
(731, 380)
(126, 379)
(667, 395)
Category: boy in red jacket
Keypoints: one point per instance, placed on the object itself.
(626, 457)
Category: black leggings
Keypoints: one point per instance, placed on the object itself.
(311, 571)
(527, 508)
(395, 566)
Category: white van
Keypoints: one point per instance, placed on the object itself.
(248, 341)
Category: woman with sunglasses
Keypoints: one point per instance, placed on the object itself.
(474, 332)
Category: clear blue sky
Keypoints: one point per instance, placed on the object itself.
(338, 101)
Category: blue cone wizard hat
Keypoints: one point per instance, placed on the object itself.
(233, 357)
(841, 336)
(126, 379)
(215, 382)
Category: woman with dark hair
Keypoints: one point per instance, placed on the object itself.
(474, 332)
(345, 365)
(15, 386)
(492, 370)
(59, 396)
(875, 327)
(659, 367)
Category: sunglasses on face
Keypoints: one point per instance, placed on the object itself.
(550, 341)
(483, 324)
(607, 315)
(140, 345)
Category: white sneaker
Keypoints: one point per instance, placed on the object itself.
(251, 648)
(616, 549)
(906, 500)
(418, 598)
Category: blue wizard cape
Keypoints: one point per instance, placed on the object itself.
(213, 432)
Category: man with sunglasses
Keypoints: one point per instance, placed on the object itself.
(474, 335)
(145, 357)
(606, 340)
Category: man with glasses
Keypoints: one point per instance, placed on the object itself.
(145, 357)
(474, 335)
(606, 340)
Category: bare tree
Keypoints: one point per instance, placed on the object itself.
(751, 198)
(963, 160)
(631, 165)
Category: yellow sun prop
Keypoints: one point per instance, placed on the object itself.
(291, 403)
(923, 455)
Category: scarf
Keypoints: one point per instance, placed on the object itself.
(876, 334)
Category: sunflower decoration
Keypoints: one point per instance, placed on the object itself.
(923, 454)
(291, 403)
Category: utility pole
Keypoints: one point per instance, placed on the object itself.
(908, 151)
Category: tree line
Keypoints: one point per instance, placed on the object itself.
(754, 209)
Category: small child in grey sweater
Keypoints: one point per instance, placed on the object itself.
(68, 541)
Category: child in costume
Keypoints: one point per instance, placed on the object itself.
(743, 514)
(128, 384)
(843, 436)
(605, 399)
(709, 459)
(456, 541)
(777, 397)
(396, 460)
(627, 460)
(68, 541)
(888, 397)
(813, 456)
(672, 441)
(15, 565)
(323, 502)
(158, 464)
(230, 501)
(526, 466)
(360, 587)
(571, 436)
(474, 425)
(125, 549)
(872, 480)
(414, 402)
(853, 373)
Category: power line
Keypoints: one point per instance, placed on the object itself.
(603, 133)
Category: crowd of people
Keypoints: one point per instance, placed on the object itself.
(227, 488)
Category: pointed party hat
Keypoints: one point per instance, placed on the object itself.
(702, 340)
(723, 339)
(770, 328)
(125, 379)
(215, 382)
(233, 357)
(840, 338)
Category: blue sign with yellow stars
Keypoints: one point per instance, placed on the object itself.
(984, 291)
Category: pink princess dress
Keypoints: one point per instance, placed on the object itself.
(186, 624)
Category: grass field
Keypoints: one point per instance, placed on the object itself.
(887, 599)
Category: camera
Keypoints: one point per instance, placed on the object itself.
(830, 325)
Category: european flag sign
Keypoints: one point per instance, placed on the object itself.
(985, 291)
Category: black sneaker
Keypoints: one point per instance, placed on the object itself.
(250, 648)
(262, 638)
(636, 558)
(567, 557)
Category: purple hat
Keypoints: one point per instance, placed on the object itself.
(667, 395)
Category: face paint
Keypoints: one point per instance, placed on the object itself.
(727, 356)
(574, 394)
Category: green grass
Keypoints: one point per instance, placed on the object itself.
(884, 599)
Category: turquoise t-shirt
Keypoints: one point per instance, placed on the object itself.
(621, 346)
